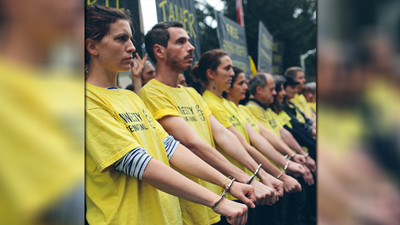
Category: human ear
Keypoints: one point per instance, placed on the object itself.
(90, 45)
(158, 51)
(210, 74)
(259, 89)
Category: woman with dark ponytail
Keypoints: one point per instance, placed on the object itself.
(216, 73)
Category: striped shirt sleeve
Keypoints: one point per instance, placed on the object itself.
(170, 145)
(133, 163)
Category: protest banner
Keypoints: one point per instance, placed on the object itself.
(232, 39)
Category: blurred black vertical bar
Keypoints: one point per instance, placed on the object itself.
(136, 25)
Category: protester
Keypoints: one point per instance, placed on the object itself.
(237, 92)
(215, 72)
(183, 113)
(182, 80)
(309, 92)
(290, 117)
(296, 115)
(128, 152)
(148, 73)
(262, 88)
(286, 89)
(299, 100)
(216, 79)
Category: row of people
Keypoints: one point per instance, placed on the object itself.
(135, 146)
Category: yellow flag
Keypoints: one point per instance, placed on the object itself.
(252, 67)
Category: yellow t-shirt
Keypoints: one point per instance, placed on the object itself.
(300, 101)
(299, 117)
(117, 122)
(228, 115)
(284, 118)
(163, 100)
(266, 117)
(248, 117)
(313, 106)
(41, 141)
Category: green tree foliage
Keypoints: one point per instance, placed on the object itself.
(208, 35)
(291, 21)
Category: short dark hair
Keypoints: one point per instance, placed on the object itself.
(97, 22)
(159, 34)
(259, 79)
(292, 71)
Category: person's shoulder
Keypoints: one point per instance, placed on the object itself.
(152, 87)
(243, 108)
(252, 107)
(191, 90)
(230, 103)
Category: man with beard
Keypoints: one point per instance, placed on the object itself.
(183, 114)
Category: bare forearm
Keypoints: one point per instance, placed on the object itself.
(214, 158)
(288, 138)
(242, 156)
(188, 162)
(264, 146)
(266, 164)
(176, 184)
(276, 141)
(183, 132)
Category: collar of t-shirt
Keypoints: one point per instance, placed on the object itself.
(113, 88)
(259, 103)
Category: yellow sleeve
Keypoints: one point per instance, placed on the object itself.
(160, 130)
(220, 114)
(107, 140)
(159, 105)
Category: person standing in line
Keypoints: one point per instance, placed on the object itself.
(183, 113)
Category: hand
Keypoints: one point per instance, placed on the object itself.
(264, 195)
(244, 193)
(137, 69)
(311, 164)
(234, 212)
(299, 159)
(308, 178)
(276, 184)
(290, 184)
(296, 169)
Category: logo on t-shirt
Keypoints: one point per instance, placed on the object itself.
(189, 113)
(148, 118)
(133, 120)
(234, 121)
(200, 113)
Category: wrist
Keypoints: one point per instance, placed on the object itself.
(254, 175)
(284, 169)
(215, 201)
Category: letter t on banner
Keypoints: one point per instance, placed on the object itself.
(239, 12)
